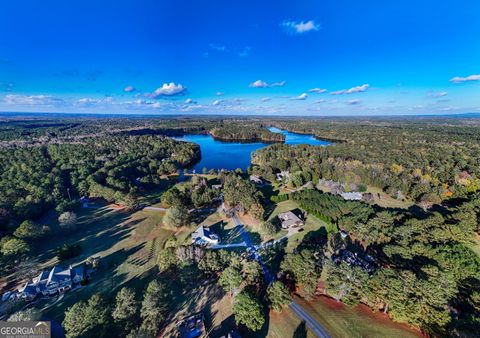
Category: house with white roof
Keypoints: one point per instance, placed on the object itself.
(57, 280)
(203, 236)
(352, 196)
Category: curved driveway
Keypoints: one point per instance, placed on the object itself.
(312, 324)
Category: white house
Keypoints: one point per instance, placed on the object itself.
(203, 236)
(352, 196)
(57, 280)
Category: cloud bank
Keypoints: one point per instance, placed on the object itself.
(459, 79)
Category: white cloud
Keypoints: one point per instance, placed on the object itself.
(317, 90)
(320, 101)
(32, 100)
(302, 96)
(459, 79)
(357, 89)
(263, 84)
(439, 94)
(216, 102)
(170, 89)
(278, 84)
(129, 89)
(300, 27)
(353, 102)
(219, 93)
(265, 99)
(188, 101)
(259, 84)
(217, 47)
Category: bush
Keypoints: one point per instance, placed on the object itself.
(280, 198)
(67, 206)
(271, 227)
(67, 220)
(68, 251)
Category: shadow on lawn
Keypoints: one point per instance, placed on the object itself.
(227, 236)
(93, 238)
(300, 331)
(105, 281)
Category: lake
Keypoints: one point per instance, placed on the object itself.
(231, 155)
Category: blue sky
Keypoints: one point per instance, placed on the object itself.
(240, 57)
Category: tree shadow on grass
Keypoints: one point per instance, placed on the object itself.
(227, 236)
(273, 255)
(93, 239)
(300, 331)
(314, 239)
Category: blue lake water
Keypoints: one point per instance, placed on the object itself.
(231, 155)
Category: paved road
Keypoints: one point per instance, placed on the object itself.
(155, 208)
(312, 324)
(316, 328)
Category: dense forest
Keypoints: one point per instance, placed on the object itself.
(246, 134)
(426, 267)
(36, 178)
(427, 162)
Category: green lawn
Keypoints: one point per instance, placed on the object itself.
(311, 224)
(227, 232)
(285, 324)
(127, 244)
(386, 201)
(342, 321)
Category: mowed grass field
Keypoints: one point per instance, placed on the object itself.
(127, 245)
(342, 321)
(339, 320)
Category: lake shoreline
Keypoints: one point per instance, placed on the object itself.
(231, 154)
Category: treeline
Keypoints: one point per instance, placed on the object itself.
(243, 133)
(331, 208)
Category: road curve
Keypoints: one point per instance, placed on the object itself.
(312, 324)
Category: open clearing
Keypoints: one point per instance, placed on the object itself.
(127, 245)
(360, 321)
